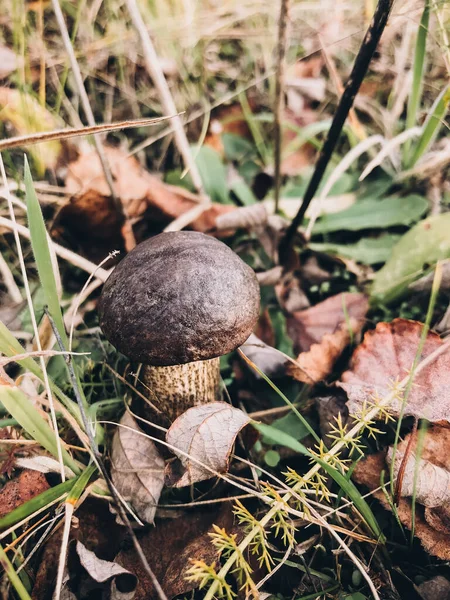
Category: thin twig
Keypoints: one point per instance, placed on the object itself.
(155, 71)
(70, 132)
(357, 75)
(279, 93)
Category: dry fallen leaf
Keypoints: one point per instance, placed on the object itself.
(317, 364)
(308, 327)
(90, 216)
(385, 356)
(270, 360)
(322, 333)
(431, 483)
(169, 548)
(437, 588)
(137, 468)
(367, 472)
(17, 491)
(108, 574)
(207, 434)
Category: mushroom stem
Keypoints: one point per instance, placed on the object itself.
(176, 388)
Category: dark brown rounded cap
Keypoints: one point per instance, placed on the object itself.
(179, 297)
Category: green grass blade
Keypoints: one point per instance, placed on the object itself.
(432, 125)
(350, 490)
(13, 576)
(418, 68)
(41, 251)
(22, 409)
(31, 506)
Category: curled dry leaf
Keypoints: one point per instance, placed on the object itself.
(203, 438)
(367, 472)
(270, 360)
(91, 214)
(246, 217)
(107, 572)
(323, 332)
(431, 484)
(385, 356)
(137, 468)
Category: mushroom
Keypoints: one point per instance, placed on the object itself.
(176, 303)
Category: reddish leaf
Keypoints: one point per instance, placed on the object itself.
(386, 356)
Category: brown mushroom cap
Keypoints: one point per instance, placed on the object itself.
(177, 298)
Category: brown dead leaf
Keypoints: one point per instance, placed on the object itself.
(169, 548)
(91, 217)
(437, 588)
(308, 327)
(267, 358)
(317, 364)
(203, 438)
(367, 472)
(137, 468)
(385, 356)
(17, 491)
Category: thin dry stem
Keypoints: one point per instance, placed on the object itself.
(282, 43)
(155, 71)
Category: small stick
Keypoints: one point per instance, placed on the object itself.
(279, 94)
(362, 61)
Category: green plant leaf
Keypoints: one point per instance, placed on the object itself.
(289, 424)
(422, 246)
(369, 251)
(22, 409)
(213, 174)
(350, 490)
(432, 125)
(41, 251)
(374, 214)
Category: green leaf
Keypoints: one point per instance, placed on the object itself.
(213, 174)
(41, 251)
(23, 410)
(374, 214)
(284, 439)
(421, 247)
(369, 251)
(291, 425)
(243, 193)
(432, 125)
